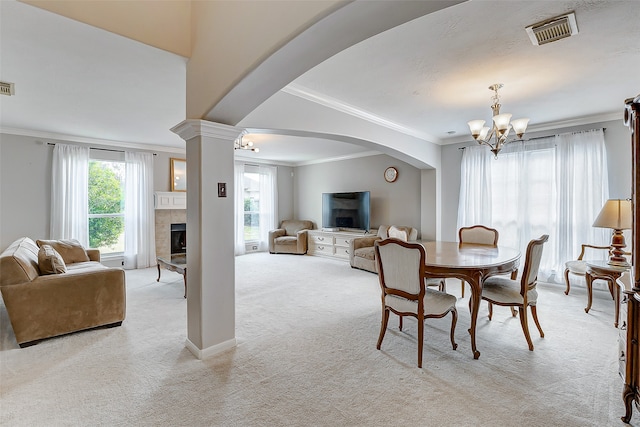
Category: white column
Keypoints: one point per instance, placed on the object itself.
(210, 236)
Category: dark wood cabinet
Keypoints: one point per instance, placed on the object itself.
(630, 356)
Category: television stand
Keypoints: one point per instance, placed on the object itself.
(331, 244)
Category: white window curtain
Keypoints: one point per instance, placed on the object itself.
(70, 193)
(555, 185)
(475, 184)
(139, 214)
(268, 203)
(239, 203)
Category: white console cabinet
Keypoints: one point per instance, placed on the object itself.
(333, 244)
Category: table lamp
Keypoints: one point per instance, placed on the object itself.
(616, 214)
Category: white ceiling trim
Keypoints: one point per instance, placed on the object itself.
(327, 101)
(338, 158)
(94, 141)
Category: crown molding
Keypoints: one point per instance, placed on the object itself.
(335, 104)
(338, 158)
(93, 141)
(191, 128)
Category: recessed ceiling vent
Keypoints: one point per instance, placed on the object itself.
(7, 88)
(553, 29)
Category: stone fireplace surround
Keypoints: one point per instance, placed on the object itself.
(164, 219)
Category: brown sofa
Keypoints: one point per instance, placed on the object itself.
(361, 252)
(290, 238)
(86, 296)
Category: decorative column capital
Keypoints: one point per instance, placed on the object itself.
(192, 128)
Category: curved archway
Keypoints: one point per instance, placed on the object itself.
(366, 143)
(346, 26)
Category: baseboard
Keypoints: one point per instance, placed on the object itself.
(209, 351)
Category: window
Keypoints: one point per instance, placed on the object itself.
(106, 205)
(251, 189)
(256, 207)
(553, 185)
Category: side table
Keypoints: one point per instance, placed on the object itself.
(610, 273)
(178, 263)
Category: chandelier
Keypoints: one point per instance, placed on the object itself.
(241, 144)
(502, 124)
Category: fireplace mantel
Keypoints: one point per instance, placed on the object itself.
(170, 200)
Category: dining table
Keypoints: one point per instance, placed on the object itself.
(472, 263)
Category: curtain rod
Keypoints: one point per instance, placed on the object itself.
(541, 137)
(101, 149)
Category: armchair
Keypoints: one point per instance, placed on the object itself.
(578, 267)
(290, 238)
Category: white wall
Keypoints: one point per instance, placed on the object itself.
(285, 192)
(391, 203)
(617, 143)
(25, 170)
(25, 185)
(25, 175)
(25, 189)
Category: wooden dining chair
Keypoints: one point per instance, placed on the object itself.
(500, 290)
(478, 234)
(402, 281)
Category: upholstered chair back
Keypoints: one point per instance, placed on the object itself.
(400, 267)
(412, 233)
(478, 234)
(292, 226)
(532, 261)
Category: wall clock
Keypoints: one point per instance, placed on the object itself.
(390, 174)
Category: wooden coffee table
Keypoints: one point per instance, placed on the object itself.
(177, 263)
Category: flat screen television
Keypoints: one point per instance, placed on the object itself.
(346, 210)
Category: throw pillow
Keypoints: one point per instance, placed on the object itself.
(396, 233)
(70, 250)
(50, 261)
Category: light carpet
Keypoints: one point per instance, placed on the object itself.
(306, 330)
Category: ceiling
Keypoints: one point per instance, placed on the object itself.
(426, 78)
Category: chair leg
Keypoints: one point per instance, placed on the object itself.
(400, 322)
(454, 321)
(462, 287)
(383, 326)
(525, 326)
(534, 313)
(420, 341)
(514, 313)
(611, 285)
(566, 280)
(443, 285)
(490, 311)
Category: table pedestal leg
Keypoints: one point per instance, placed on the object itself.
(184, 275)
(589, 280)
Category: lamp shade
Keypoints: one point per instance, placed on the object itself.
(615, 214)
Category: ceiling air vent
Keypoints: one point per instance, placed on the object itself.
(553, 29)
(7, 88)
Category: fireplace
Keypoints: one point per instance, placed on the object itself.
(178, 239)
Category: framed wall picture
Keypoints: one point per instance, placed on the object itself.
(178, 174)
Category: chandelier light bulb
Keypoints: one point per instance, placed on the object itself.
(502, 122)
(520, 126)
(484, 132)
(476, 126)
